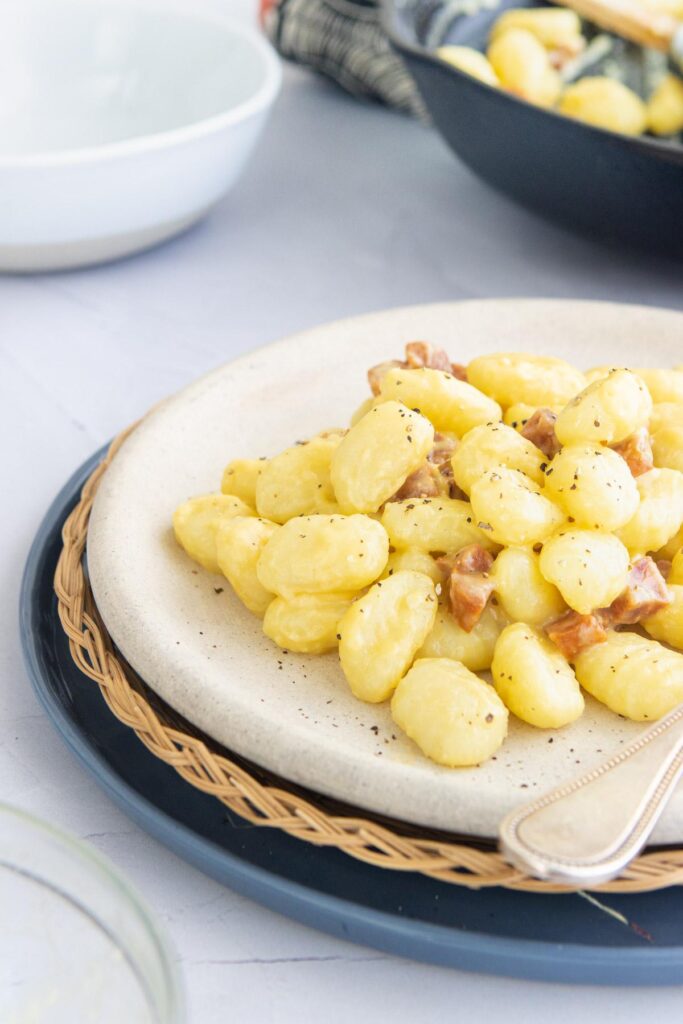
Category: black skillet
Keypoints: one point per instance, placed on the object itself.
(619, 189)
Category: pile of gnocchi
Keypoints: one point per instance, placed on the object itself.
(514, 515)
(541, 54)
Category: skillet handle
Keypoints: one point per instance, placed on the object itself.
(586, 832)
(629, 19)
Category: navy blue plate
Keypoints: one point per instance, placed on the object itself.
(553, 938)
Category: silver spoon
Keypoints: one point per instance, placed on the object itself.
(586, 832)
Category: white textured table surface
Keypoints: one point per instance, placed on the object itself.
(344, 209)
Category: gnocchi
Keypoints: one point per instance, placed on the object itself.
(378, 453)
(452, 405)
(666, 435)
(472, 62)
(239, 543)
(593, 485)
(239, 478)
(605, 103)
(522, 64)
(474, 649)
(454, 717)
(665, 107)
(512, 377)
(502, 522)
(489, 446)
(660, 513)
(297, 481)
(433, 524)
(323, 554)
(588, 567)
(512, 508)
(605, 412)
(635, 677)
(523, 592)
(536, 53)
(307, 623)
(196, 522)
(414, 559)
(382, 631)
(534, 680)
(666, 624)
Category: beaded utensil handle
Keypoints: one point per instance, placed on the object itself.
(586, 832)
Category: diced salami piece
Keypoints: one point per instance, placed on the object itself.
(540, 430)
(469, 583)
(420, 354)
(572, 632)
(375, 373)
(425, 482)
(636, 450)
(645, 593)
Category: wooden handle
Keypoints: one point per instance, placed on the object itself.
(627, 18)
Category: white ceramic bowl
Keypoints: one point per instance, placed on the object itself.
(120, 124)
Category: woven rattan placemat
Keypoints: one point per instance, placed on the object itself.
(261, 799)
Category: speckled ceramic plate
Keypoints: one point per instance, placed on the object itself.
(190, 639)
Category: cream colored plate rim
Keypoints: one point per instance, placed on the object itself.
(188, 637)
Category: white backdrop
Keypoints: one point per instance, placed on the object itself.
(345, 208)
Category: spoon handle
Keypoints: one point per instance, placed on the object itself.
(629, 19)
(587, 831)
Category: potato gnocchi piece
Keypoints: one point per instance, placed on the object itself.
(605, 412)
(633, 676)
(514, 377)
(589, 568)
(365, 407)
(511, 508)
(474, 649)
(676, 572)
(306, 623)
(433, 524)
(452, 405)
(491, 445)
(240, 476)
(533, 679)
(663, 385)
(239, 543)
(472, 62)
(518, 415)
(666, 625)
(524, 594)
(323, 554)
(297, 481)
(195, 523)
(454, 717)
(382, 632)
(671, 549)
(599, 372)
(605, 103)
(522, 64)
(665, 107)
(666, 435)
(415, 560)
(593, 485)
(386, 445)
(659, 514)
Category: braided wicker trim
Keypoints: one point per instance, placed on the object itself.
(265, 803)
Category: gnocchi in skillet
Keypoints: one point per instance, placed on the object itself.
(549, 57)
(482, 541)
